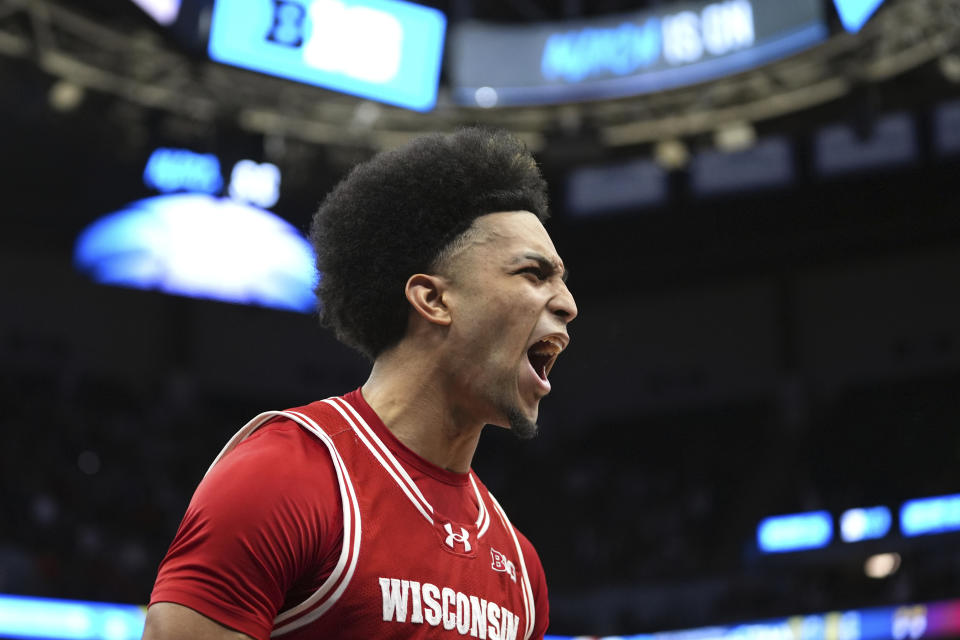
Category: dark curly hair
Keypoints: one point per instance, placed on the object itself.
(392, 216)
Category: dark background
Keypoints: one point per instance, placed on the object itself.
(735, 357)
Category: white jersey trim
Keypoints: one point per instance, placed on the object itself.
(526, 591)
(399, 474)
(483, 518)
(388, 460)
(322, 599)
(316, 605)
(334, 586)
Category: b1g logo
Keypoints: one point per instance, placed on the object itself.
(501, 564)
(357, 41)
(385, 50)
(288, 23)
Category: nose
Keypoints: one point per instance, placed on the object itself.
(563, 305)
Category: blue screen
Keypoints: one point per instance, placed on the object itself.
(855, 13)
(778, 534)
(385, 50)
(661, 47)
(22, 617)
(930, 515)
(864, 524)
(170, 170)
(203, 247)
(49, 619)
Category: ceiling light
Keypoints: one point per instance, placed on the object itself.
(671, 154)
(881, 565)
(65, 96)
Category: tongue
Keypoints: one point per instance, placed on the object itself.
(541, 371)
(539, 364)
(539, 367)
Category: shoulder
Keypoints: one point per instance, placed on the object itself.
(280, 480)
(281, 456)
(267, 516)
(328, 414)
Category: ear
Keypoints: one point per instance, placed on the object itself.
(425, 294)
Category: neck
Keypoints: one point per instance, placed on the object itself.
(414, 396)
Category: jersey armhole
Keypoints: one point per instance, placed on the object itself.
(336, 583)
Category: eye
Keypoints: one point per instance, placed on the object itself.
(537, 272)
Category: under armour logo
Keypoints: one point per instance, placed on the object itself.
(459, 538)
(500, 563)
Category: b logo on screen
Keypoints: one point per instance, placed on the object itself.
(357, 41)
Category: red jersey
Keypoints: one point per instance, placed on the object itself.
(317, 522)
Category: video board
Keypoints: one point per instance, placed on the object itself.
(619, 55)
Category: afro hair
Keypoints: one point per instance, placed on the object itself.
(392, 216)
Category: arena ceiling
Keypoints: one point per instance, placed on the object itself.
(111, 49)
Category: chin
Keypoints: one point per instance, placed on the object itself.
(521, 425)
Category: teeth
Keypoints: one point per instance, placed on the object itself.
(547, 347)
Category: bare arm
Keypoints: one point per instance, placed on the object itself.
(169, 621)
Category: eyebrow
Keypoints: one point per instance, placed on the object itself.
(545, 263)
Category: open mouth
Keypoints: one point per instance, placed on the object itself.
(543, 354)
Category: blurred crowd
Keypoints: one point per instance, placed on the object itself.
(643, 524)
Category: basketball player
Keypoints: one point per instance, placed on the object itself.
(359, 516)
